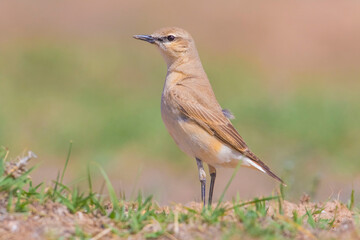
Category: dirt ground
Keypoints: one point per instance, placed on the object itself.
(45, 218)
(52, 220)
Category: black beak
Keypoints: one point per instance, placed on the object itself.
(146, 38)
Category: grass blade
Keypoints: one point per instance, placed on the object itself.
(66, 162)
(89, 179)
(352, 200)
(228, 184)
(111, 190)
(310, 220)
(56, 184)
(253, 202)
(136, 181)
(3, 153)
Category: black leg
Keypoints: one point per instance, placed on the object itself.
(202, 178)
(212, 171)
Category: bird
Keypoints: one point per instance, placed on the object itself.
(192, 114)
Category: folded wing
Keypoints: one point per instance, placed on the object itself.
(212, 119)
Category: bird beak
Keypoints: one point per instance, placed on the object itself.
(146, 38)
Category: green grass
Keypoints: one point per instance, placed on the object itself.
(249, 219)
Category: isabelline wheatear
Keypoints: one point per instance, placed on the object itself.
(191, 113)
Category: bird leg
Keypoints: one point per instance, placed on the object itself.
(212, 172)
(202, 178)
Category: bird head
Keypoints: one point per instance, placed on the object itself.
(174, 43)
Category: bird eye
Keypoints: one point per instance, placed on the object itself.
(170, 38)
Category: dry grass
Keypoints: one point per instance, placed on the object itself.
(53, 220)
(59, 212)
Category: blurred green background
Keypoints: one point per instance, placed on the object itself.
(290, 73)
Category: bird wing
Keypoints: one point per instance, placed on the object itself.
(212, 119)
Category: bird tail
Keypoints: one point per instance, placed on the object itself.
(256, 163)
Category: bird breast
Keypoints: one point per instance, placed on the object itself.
(176, 124)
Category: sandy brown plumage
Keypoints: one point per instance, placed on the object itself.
(191, 113)
(205, 111)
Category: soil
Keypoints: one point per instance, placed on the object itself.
(52, 220)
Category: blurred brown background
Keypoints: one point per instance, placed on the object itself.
(289, 71)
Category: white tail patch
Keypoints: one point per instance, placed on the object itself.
(227, 155)
(248, 162)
